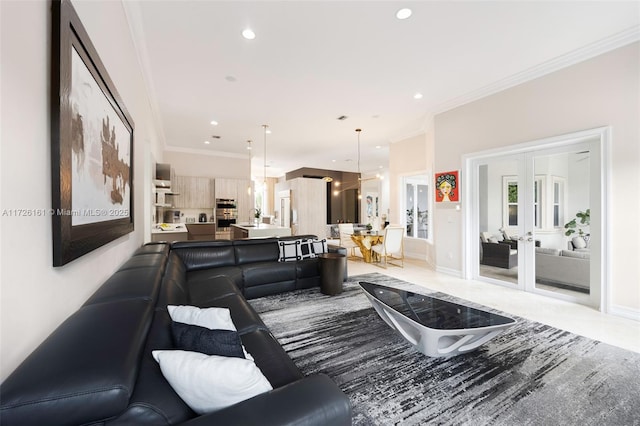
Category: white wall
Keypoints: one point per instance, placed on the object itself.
(411, 156)
(36, 297)
(213, 166)
(598, 92)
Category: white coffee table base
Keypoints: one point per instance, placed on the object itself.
(432, 342)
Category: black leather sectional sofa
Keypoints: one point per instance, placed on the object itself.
(97, 368)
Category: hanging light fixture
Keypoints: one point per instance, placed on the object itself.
(266, 130)
(354, 184)
(249, 149)
(265, 127)
(359, 175)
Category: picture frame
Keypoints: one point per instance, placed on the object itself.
(92, 140)
(447, 187)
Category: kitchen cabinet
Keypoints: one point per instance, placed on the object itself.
(240, 190)
(245, 202)
(223, 235)
(226, 188)
(194, 193)
(169, 237)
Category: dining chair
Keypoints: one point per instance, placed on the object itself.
(392, 246)
(346, 230)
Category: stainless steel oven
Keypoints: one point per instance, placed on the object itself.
(226, 213)
(225, 203)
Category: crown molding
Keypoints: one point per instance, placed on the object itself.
(592, 50)
(134, 20)
(206, 152)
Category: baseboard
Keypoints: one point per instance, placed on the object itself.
(625, 312)
(449, 271)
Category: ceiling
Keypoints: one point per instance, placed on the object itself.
(314, 61)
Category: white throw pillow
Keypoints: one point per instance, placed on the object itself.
(289, 251)
(576, 254)
(549, 251)
(208, 383)
(211, 318)
(319, 246)
(306, 249)
(579, 242)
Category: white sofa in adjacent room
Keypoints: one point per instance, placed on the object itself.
(566, 267)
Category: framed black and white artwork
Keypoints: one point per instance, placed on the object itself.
(91, 145)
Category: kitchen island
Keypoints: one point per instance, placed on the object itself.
(169, 232)
(260, 230)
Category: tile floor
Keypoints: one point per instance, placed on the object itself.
(578, 319)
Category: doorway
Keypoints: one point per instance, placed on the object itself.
(536, 218)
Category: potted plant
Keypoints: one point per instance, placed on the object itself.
(582, 220)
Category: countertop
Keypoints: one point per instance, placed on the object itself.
(251, 226)
(168, 228)
(260, 230)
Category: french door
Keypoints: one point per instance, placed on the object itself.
(524, 205)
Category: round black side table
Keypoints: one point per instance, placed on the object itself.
(332, 267)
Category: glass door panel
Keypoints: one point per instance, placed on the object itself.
(500, 219)
(562, 252)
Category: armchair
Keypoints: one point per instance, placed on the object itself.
(346, 230)
(392, 246)
(499, 254)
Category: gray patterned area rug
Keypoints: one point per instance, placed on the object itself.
(531, 374)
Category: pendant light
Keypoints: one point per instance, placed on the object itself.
(265, 128)
(249, 149)
(359, 176)
(354, 184)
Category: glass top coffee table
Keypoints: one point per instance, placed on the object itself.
(436, 328)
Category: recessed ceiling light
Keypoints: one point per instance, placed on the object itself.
(403, 13)
(207, 142)
(378, 147)
(417, 96)
(214, 123)
(248, 34)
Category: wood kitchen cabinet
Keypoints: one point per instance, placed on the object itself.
(194, 192)
(245, 201)
(240, 190)
(226, 188)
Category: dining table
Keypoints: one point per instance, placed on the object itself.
(365, 240)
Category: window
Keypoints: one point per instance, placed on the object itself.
(538, 196)
(510, 203)
(558, 202)
(540, 202)
(417, 199)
